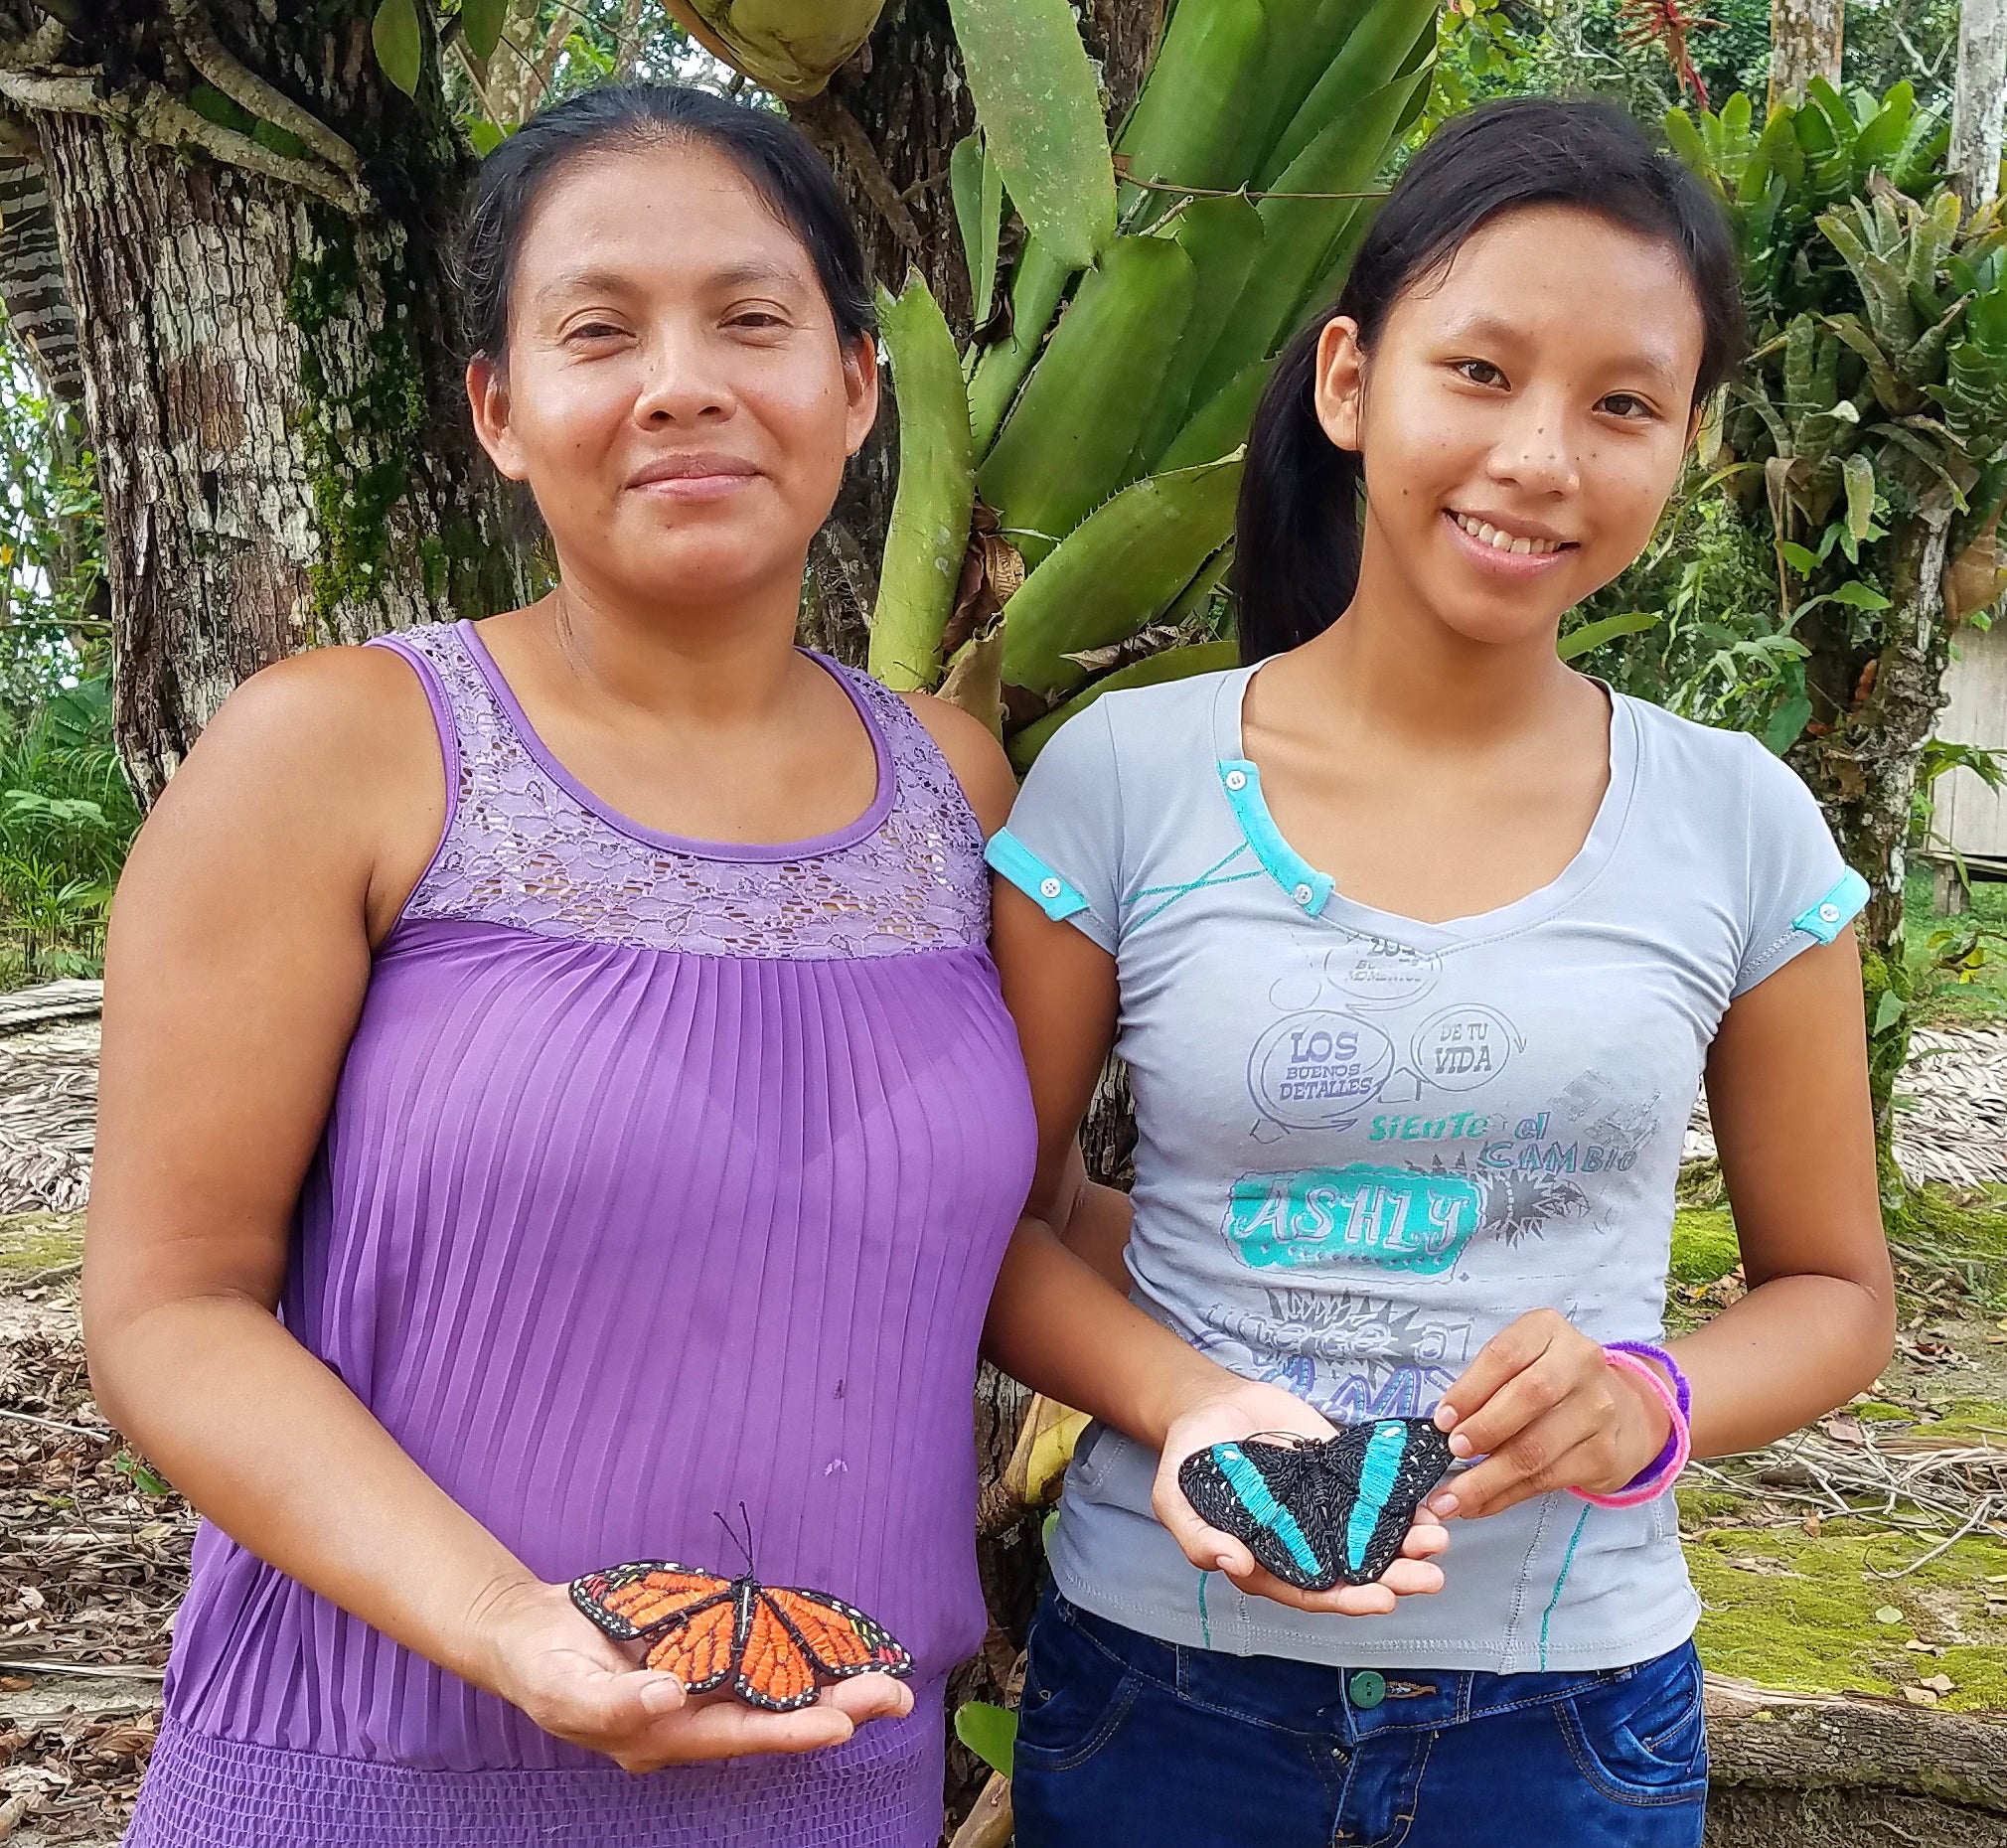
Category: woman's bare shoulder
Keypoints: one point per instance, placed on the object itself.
(972, 753)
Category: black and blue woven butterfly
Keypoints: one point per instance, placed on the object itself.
(1319, 1513)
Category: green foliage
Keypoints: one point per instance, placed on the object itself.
(399, 43)
(1107, 416)
(922, 564)
(1877, 396)
(67, 819)
(1722, 652)
(989, 1731)
(1040, 109)
(51, 543)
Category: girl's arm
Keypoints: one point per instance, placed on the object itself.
(1062, 1322)
(238, 956)
(1788, 1093)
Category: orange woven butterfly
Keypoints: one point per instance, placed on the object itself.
(773, 1644)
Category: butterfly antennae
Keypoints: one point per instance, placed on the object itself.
(745, 1520)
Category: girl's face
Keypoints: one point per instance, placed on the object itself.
(1522, 418)
(676, 392)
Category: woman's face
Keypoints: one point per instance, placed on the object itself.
(676, 394)
(1523, 420)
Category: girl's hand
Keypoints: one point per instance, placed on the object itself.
(546, 1658)
(1231, 1413)
(1545, 1409)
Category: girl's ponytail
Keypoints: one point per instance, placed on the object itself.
(1295, 560)
(1297, 534)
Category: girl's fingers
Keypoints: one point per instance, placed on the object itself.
(1540, 1458)
(1425, 1540)
(1511, 1350)
(1519, 1404)
(1206, 1547)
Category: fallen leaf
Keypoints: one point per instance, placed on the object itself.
(1922, 1649)
(1888, 1613)
(1938, 1684)
(1919, 1697)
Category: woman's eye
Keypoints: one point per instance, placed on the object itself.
(594, 330)
(1628, 405)
(1479, 372)
(757, 319)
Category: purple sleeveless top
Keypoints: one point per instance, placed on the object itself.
(661, 1175)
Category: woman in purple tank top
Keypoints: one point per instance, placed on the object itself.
(556, 1092)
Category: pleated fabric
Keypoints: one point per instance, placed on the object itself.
(614, 1237)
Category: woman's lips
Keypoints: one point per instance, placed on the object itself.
(684, 489)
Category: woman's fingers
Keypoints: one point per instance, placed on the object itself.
(871, 1697)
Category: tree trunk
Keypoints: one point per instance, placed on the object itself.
(887, 124)
(271, 382)
(1805, 41)
(1877, 710)
(1979, 101)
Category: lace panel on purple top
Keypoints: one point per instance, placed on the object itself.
(523, 851)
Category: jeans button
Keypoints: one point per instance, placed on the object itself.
(1368, 1688)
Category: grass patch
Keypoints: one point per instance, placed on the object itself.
(1940, 998)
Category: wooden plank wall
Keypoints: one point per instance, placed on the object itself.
(1970, 815)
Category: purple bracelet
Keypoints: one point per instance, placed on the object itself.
(1643, 1350)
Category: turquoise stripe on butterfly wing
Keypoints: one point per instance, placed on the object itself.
(1056, 897)
(1255, 1496)
(1378, 1473)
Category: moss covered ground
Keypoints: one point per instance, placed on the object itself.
(31, 1243)
(1799, 1596)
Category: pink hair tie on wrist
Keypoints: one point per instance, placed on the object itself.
(1663, 1470)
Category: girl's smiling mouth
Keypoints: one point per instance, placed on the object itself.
(1499, 549)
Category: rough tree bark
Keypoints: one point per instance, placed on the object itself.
(269, 366)
(1980, 99)
(1805, 42)
(1876, 708)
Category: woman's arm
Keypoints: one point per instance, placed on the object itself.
(236, 970)
(1061, 1325)
(1788, 1094)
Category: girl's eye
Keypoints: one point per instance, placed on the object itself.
(1479, 372)
(758, 319)
(594, 330)
(1628, 405)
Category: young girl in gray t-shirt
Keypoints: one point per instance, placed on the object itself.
(1417, 943)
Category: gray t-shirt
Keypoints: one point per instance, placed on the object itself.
(1367, 1143)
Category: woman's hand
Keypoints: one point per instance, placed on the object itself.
(543, 1656)
(1544, 1408)
(1230, 1413)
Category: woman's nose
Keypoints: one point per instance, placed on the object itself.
(680, 385)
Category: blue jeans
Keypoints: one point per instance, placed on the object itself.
(1125, 1738)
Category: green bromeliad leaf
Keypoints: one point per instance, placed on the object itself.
(977, 183)
(1040, 111)
(927, 533)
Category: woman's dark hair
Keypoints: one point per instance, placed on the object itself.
(1297, 529)
(772, 154)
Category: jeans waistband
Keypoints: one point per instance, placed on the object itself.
(1316, 1697)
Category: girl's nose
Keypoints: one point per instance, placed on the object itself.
(1537, 453)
